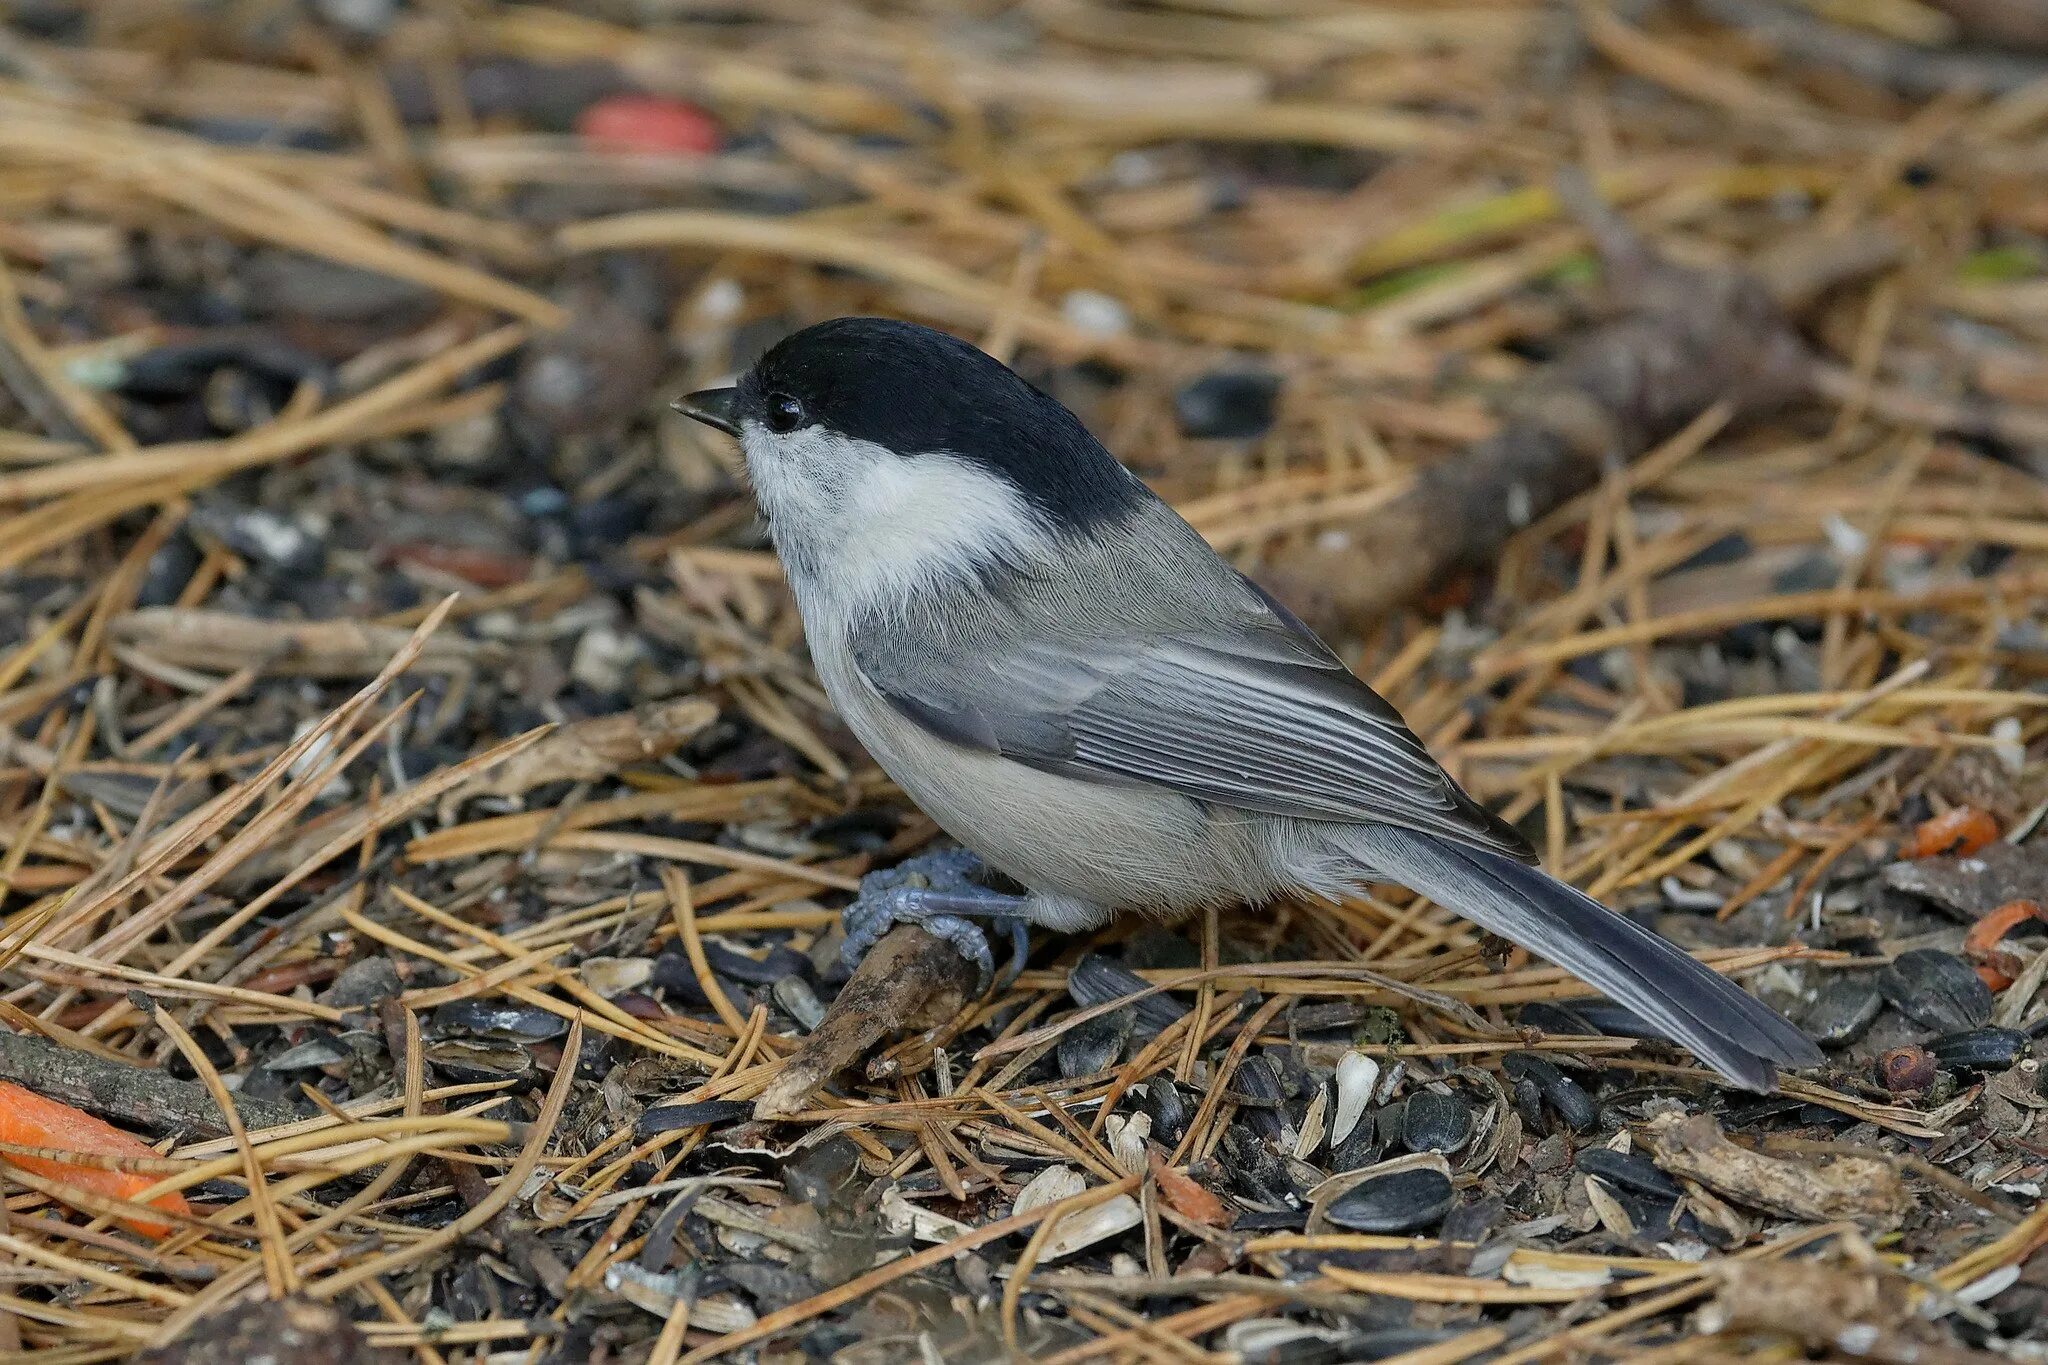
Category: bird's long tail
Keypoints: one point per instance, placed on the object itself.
(1722, 1025)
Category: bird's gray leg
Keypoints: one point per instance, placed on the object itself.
(938, 891)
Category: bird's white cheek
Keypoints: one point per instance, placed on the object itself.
(929, 514)
(871, 526)
(799, 488)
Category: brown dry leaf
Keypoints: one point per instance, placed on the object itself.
(1860, 1189)
(587, 750)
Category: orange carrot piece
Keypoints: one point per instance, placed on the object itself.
(1961, 831)
(30, 1120)
(1999, 966)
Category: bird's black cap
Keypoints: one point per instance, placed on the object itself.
(916, 391)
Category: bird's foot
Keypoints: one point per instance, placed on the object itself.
(939, 892)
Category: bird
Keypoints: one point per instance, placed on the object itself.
(1107, 716)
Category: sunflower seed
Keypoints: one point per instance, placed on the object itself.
(1611, 1212)
(1844, 1010)
(1563, 1094)
(466, 1062)
(1435, 1122)
(701, 1114)
(1982, 1049)
(1227, 404)
(1357, 1075)
(794, 996)
(1127, 1141)
(1096, 980)
(313, 1053)
(1085, 1227)
(498, 1019)
(1312, 1125)
(1168, 1110)
(1049, 1186)
(614, 976)
(1256, 1088)
(1397, 1201)
(1628, 1171)
(901, 1218)
(1095, 1045)
(1936, 990)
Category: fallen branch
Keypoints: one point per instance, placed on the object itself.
(134, 1096)
(1691, 338)
(1920, 72)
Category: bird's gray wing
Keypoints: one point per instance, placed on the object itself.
(1253, 713)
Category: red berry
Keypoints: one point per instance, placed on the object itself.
(648, 123)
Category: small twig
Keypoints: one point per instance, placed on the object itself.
(61, 407)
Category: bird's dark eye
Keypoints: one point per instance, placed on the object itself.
(783, 413)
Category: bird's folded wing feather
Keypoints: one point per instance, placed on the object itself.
(1261, 718)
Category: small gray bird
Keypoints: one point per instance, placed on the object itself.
(1064, 675)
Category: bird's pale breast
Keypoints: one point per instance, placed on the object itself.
(1084, 846)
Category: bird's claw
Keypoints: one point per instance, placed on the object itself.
(872, 916)
(937, 891)
(945, 869)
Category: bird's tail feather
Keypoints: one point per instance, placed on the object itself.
(1722, 1025)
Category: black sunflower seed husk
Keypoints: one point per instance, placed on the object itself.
(1981, 1049)
(1094, 1045)
(1095, 980)
(703, 1112)
(1396, 1201)
(1167, 1107)
(1628, 1171)
(1936, 990)
(1563, 1095)
(1843, 1010)
(1257, 1169)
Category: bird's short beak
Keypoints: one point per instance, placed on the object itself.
(713, 407)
